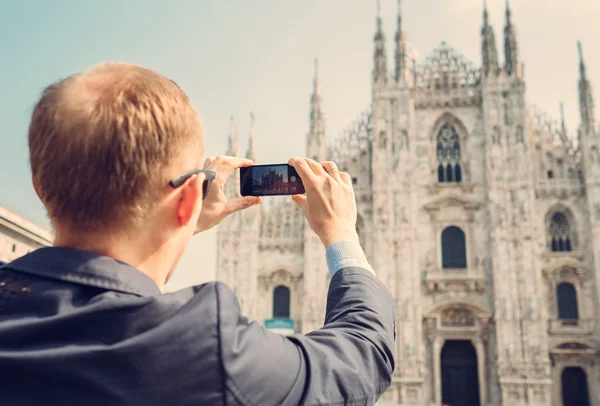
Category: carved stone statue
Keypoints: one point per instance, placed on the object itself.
(457, 317)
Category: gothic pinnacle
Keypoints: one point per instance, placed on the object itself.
(489, 52)
(233, 142)
(581, 61)
(380, 62)
(586, 101)
(316, 114)
(316, 83)
(485, 14)
(401, 48)
(511, 52)
(252, 141)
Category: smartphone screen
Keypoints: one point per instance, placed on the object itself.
(270, 180)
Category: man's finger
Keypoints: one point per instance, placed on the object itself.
(332, 170)
(241, 203)
(316, 167)
(231, 162)
(329, 166)
(303, 170)
(345, 177)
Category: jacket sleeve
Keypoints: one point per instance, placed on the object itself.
(349, 360)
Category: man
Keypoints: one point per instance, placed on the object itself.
(114, 154)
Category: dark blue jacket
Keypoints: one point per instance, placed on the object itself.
(82, 329)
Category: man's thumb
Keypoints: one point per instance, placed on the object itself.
(300, 201)
(241, 203)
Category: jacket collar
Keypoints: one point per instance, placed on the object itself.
(85, 268)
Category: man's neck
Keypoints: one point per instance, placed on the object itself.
(142, 255)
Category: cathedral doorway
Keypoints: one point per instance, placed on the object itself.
(460, 378)
(574, 387)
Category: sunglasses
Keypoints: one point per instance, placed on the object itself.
(181, 179)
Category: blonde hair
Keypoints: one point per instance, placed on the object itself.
(100, 143)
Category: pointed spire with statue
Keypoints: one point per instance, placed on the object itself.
(489, 52)
(252, 140)
(316, 143)
(379, 55)
(232, 149)
(401, 50)
(586, 100)
(511, 50)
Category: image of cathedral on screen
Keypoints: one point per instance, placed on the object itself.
(489, 237)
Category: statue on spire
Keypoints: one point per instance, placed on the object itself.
(316, 146)
(586, 101)
(380, 59)
(252, 141)
(511, 51)
(316, 113)
(232, 150)
(401, 49)
(563, 126)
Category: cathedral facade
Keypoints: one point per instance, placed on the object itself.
(480, 215)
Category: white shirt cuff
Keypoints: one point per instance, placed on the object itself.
(342, 254)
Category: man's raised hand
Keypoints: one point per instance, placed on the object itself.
(329, 204)
(216, 206)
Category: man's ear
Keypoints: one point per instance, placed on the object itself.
(189, 199)
(35, 187)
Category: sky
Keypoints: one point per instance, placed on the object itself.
(234, 57)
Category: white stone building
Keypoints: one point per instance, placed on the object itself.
(480, 215)
(19, 236)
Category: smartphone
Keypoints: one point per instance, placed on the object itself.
(270, 180)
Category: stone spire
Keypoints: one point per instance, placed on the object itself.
(232, 149)
(252, 141)
(380, 59)
(489, 52)
(511, 51)
(401, 49)
(316, 146)
(316, 110)
(586, 101)
(563, 126)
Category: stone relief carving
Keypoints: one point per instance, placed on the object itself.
(597, 210)
(382, 141)
(496, 136)
(508, 112)
(457, 317)
(402, 215)
(428, 261)
(594, 155)
(430, 330)
(404, 141)
(520, 135)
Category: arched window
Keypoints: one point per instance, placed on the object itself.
(560, 235)
(448, 154)
(281, 302)
(454, 252)
(567, 302)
